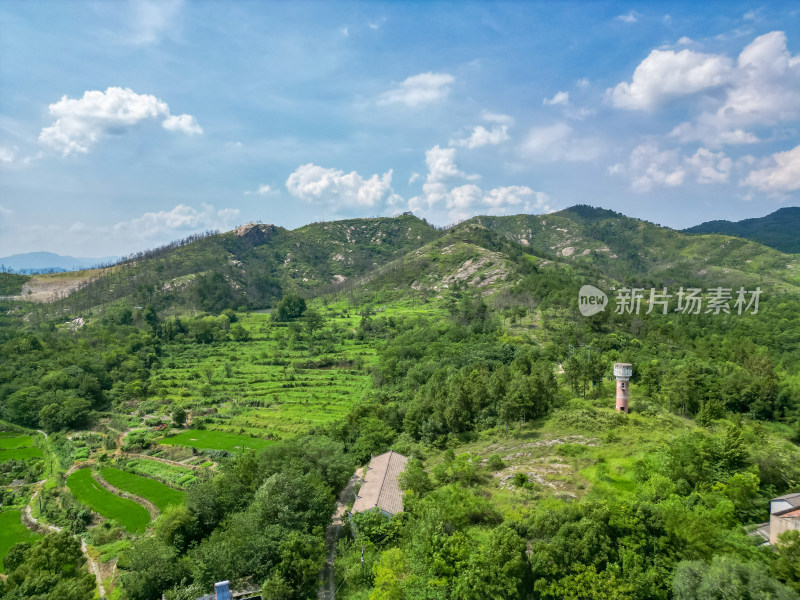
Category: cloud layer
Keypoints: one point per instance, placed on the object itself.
(424, 88)
(81, 123)
(336, 189)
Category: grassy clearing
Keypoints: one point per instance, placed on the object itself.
(20, 453)
(129, 514)
(584, 448)
(12, 531)
(215, 440)
(150, 489)
(15, 441)
(110, 551)
(167, 473)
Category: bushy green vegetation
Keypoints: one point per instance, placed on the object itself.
(12, 531)
(171, 474)
(50, 568)
(11, 283)
(158, 493)
(129, 514)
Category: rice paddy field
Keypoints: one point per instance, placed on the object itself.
(150, 489)
(11, 440)
(207, 439)
(15, 446)
(12, 531)
(129, 514)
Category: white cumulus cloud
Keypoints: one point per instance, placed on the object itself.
(627, 17)
(709, 167)
(560, 99)
(7, 155)
(261, 190)
(424, 88)
(82, 122)
(181, 220)
(666, 74)
(763, 90)
(732, 99)
(481, 136)
(336, 188)
(649, 167)
(499, 118)
(463, 201)
(556, 143)
(184, 123)
(781, 176)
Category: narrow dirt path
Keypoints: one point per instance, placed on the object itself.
(93, 570)
(32, 522)
(35, 524)
(151, 508)
(327, 583)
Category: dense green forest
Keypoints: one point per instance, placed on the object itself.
(777, 230)
(240, 371)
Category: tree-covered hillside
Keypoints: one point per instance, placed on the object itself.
(777, 230)
(465, 349)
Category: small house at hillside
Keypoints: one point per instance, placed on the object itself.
(381, 488)
(784, 515)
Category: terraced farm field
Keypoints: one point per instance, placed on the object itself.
(173, 474)
(12, 531)
(207, 439)
(129, 514)
(150, 489)
(278, 383)
(15, 441)
(20, 453)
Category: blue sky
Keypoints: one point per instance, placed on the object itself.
(127, 124)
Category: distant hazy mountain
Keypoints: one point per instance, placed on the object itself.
(37, 262)
(778, 230)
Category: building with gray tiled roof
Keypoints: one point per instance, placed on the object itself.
(381, 488)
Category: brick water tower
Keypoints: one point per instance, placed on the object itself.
(623, 373)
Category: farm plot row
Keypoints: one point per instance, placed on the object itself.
(131, 515)
(266, 385)
(14, 446)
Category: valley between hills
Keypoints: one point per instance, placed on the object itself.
(192, 413)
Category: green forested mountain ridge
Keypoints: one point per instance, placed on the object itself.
(256, 264)
(622, 247)
(778, 230)
(251, 265)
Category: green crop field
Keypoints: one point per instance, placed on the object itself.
(128, 513)
(275, 383)
(163, 472)
(158, 493)
(215, 440)
(16, 441)
(12, 531)
(20, 453)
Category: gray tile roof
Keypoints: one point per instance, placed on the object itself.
(793, 499)
(381, 488)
